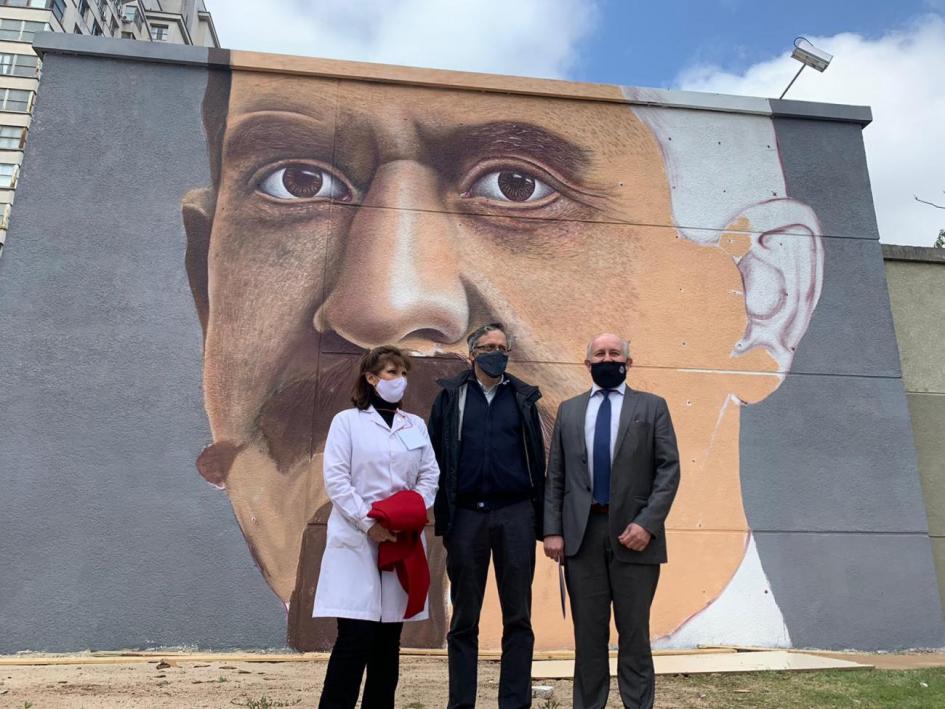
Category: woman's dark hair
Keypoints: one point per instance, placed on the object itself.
(374, 362)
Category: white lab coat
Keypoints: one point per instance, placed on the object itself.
(366, 461)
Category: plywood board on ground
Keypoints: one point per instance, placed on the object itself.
(119, 657)
(775, 660)
(891, 660)
(140, 658)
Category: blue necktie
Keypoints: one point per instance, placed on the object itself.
(602, 451)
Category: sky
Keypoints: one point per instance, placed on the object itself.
(887, 55)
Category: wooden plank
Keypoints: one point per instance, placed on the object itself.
(118, 657)
(560, 654)
(141, 658)
(763, 661)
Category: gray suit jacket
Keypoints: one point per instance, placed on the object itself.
(643, 481)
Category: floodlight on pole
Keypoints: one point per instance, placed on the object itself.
(808, 55)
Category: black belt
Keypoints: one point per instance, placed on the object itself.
(597, 508)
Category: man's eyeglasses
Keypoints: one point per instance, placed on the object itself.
(482, 349)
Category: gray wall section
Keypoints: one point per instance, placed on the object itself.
(110, 538)
(917, 293)
(864, 591)
(829, 470)
(827, 453)
(825, 167)
(852, 331)
(928, 425)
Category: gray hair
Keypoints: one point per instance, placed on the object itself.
(624, 344)
(476, 334)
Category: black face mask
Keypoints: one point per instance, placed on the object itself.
(493, 363)
(609, 375)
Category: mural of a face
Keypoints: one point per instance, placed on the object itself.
(348, 214)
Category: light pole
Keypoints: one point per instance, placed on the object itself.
(808, 55)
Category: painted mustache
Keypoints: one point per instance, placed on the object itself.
(293, 422)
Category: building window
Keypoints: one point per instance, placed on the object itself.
(58, 9)
(129, 13)
(159, 33)
(96, 29)
(20, 30)
(128, 35)
(41, 4)
(12, 137)
(113, 27)
(7, 175)
(16, 100)
(19, 65)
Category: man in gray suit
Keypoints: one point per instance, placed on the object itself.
(613, 471)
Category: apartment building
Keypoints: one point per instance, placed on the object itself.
(174, 21)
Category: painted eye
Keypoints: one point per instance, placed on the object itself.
(510, 186)
(299, 181)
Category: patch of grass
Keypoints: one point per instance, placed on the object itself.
(221, 678)
(262, 702)
(869, 689)
(550, 703)
(415, 705)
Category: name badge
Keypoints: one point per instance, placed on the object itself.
(412, 438)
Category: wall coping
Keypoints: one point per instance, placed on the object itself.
(924, 254)
(159, 52)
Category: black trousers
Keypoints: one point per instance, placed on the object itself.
(363, 644)
(508, 536)
(595, 581)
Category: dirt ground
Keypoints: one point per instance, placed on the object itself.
(264, 685)
(213, 684)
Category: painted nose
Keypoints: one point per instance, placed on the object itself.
(399, 273)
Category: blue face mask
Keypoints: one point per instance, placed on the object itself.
(493, 364)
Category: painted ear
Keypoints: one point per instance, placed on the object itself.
(197, 210)
(782, 271)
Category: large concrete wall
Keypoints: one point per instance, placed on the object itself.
(205, 241)
(916, 278)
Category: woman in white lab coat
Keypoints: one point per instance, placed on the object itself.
(372, 451)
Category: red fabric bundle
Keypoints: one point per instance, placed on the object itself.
(405, 514)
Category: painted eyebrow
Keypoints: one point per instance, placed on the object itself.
(277, 131)
(503, 138)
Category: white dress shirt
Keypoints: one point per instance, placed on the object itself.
(491, 391)
(590, 421)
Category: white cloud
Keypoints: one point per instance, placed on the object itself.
(902, 76)
(527, 37)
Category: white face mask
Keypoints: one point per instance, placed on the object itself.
(391, 390)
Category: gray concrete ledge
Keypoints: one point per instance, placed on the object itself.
(786, 108)
(926, 254)
(106, 47)
(160, 52)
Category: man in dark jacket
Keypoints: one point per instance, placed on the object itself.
(488, 442)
